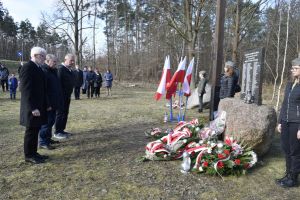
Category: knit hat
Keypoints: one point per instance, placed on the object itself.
(296, 61)
(230, 64)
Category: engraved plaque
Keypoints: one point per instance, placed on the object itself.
(252, 75)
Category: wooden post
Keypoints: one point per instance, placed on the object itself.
(218, 57)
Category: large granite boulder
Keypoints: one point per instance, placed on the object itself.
(252, 125)
(193, 100)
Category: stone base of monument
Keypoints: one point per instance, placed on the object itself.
(193, 100)
(250, 124)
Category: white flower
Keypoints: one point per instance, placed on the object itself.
(220, 145)
(201, 142)
(198, 145)
(200, 169)
(208, 142)
(197, 129)
(213, 144)
(184, 141)
(209, 150)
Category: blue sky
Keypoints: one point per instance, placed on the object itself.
(30, 9)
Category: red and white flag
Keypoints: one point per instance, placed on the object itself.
(178, 77)
(165, 78)
(187, 79)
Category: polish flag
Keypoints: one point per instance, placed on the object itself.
(187, 79)
(178, 77)
(165, 78)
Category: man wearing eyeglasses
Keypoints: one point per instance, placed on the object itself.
(33, 103)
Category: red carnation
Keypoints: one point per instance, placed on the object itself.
(220, 164)
(205, 164)
(237, 161)
(221, 156)
(227, 152)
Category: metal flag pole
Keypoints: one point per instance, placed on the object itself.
(186, 100)
(180, 100)
(171, 110)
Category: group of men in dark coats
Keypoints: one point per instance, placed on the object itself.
(45, 99)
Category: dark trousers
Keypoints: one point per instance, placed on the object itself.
(12, 92)
(4, 84)
(31, 141)
(77, 92)
(62, 116)
(291, 146)
(97, 91)
(90, 90)
(200, 108)
(46, 129)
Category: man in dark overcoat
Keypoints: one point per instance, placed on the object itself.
(33, 103)
(66, 79)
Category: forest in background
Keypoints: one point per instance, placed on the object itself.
(140, 33)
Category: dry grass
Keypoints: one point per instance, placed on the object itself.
(100, 160)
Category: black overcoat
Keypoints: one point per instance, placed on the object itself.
(33, 95)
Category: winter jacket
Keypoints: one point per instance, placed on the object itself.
(290, 109)
(78, 77)
(108, 79)
(201, 86)
(84, 85)
(90, 77)
(228, 84)
(66, 79)
(54, 92)
(13, 83)
(98, 80)
(4, 73)
(33, 95)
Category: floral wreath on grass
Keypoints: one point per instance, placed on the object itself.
(200, 148)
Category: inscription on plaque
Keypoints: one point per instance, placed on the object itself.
(252, 76)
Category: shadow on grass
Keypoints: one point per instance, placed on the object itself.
(126, 142)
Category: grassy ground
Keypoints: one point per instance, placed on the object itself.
(100, 159)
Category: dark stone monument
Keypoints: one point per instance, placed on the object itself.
(252, 76)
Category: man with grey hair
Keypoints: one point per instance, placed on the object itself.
(66, 79)
(33, 103)
(54, 102)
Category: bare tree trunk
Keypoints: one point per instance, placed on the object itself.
(94, 35)
(236, 34)
(278, 53)
(284, 58)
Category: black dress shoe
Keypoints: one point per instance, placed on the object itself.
(41, 157)
(33, 160)
(53, 141)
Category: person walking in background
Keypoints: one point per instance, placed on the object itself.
(201, 89)
(84, 85)
(4, 73)
(20, 67)
(54, 102)
(97, 82)
(289, 127)
(66, 80)
(108, 81)
(33, 103)
(90, 78)
(13, 85)
(78, 80)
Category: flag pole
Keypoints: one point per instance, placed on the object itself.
(180, 99)
(171, 110)
(186, 100)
